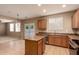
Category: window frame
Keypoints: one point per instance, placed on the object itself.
(11, 28)
(17, 28)
(14, 27)
(49, 27)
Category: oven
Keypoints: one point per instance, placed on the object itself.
(73, 47)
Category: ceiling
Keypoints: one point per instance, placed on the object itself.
(23, 11)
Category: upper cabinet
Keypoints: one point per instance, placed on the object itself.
(41, 24)
(75, 22)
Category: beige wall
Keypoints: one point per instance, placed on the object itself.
(19, 34)
(67, 24)
(2, 29)
(67, 18)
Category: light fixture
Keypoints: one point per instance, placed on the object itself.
(17, 16)
(63, 5)
(44, 10)
(6, 20)
(39, 4)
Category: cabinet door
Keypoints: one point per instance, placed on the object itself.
(64, 41)
(44, 24)
(40, 47)
(33, 48)
(43, 45)
(75, 21)
(51, 39)
(41, 24)
(58, 40)
(27, 48)
(30, 47)
(67, 41)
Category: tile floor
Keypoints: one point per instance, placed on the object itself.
(55, 50)
(16, 47)
(12, 47)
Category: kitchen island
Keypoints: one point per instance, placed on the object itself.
(34, 45)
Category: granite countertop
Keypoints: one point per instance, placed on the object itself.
(48, 33)
(57, 34)
(70, 35)
(35, 38)
(74, 37)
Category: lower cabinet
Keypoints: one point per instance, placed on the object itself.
(65, 41)
(51, 39)
(34, 47)
(58, 40)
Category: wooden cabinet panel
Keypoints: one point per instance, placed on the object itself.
(30, 47)
(51, 39)
(34, 47)
(64, 41)
(58, 40)
(43, 45)
(41, 24)
(40, 47)
(75, 21)
(27, 48)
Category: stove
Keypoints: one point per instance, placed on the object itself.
(74, 47)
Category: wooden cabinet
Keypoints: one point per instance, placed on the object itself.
(34, 47)
(51, 39)
(75, 22)
(58, 40)
(41, 24)
(41, 46)
(64, 41)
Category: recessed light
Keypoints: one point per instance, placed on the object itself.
(39, 4)
(44, 10)
(64, 6)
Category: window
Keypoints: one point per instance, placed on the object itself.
(11, 27)
(17, 27)
(14, 27)
(55, 24)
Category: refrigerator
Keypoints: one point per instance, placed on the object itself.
(29, 31)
